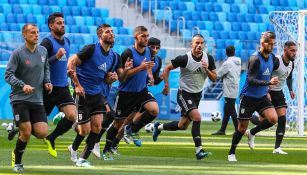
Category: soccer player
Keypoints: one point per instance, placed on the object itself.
(88, 70)
(133, 93)
(254, 93)
(58, 52)
(195, 67)
(285, 66)
(230, 72)
(28, 74)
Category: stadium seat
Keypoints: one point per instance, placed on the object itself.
(250, 17)
(78, 39)
(72, 2)
(119, 40)
(17, 9)
(62, 3)
(109, 21)
(234, 8)
(10, 18)
(191, 24)
(177, 14)
(53, 2)
(205, 16)
(75, 11)
(222, 17)
(213, 17)
(84, 29)
(4, 27)
(173, 5)
(46, 10)
(190, 6)
(43, 2)
(245, 27)
(55, 9)
(262, 10)
(242, 35)
(284, 3)
(201, 25)
(243, 8)
(292, 3)
(229, 42)
(275, 2)
(251, 9)
(209, 7)
(186, 15)
(251, 35)
(79, 20)
(209, 25)
(300, 4)
(262, 27)
(92, 29)
(235, 26)
(122, 31)
(205, 33)
(36, 9)
(44, 28)
(20, 18)
(74, 48)
(162, 53)
(226, 26)
(195, 15)
(128, 40)
(14, 27)
(26, 9)
(182, 6)
(32, 2)
(231, 17)
(163, 4)
(215, 34)
(2, 18)
(99, 21)
(90, 3)
(217, 7)
(5, 56)
(89, 21)
(241, 17)
(253, 27)
(69, 20)
(85, 11)
(186, 34)
(6, 8)
(81, 3)
(66, 10)
(95, 12)
(224, 35)
(74, 29)
(199, 7)
(233, 35)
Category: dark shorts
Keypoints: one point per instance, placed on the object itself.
(278, 99)
(188, 101)
(89, 106)
(60, 96)
(128, 102)
(108, 118)
(249, 105)
(29, 112)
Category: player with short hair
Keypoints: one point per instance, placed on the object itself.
(58, 52)
(195, 67)
(28, 74)
(285, 66)
(254, 93)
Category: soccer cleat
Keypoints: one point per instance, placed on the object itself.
(96, 150)
(279, 151)
(202, 154)
(156, 131)
(136, 139)
(218, 133)
(114, 150)
(251, 139)
(107, 156)
(83, 163)
(126, 135)
(73, 154)
(11, 129)
(57, 118)
(13, 158)
(50, 146)
(18, 168)
(232, 158)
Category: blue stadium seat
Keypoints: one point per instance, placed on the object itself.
(4, 27)
(217, 7)
(20, 18)
(205, 16)
(195, 15)
(226, 26)
(243, 8)
(53, 2)
(275, 2)
(240, 17)
(85, 11)
(44, 28)
(74, 48)
(6, 8)
(17, 9)
(122, 31)
(2, 18)
(81, 3)
(173, 5)
(300, 4)
(262, 27)
(36, 9)
(229, 42)
(26, 9)
(74, 29)
(162, 53)
(75, 11)
(284, 3)
(257, 2)
(14, 27)
(224, 35)
(177, 14)
(72, 2)
(118, 22)
(119, 40)
(205, 33)
(92, 29)
(209, 7)
(129, 40)
(218, 55)
(32, 2)
(209, 25)
(78, 39)
(233, 35)
(5, 56)
(215, 34)
(10, 18)
(234, 8)
(55, 9)
(69, 20)
(253, 27)
(99, 21)
(213, 17)
(262, 10)
(270, 27)
(89, 21)
(251, 35)
(79, 20)
(43, 2)
(67, 29)
(190, 6)
(257, 18)
(231, 17)
(31, 18)
(115, 30)
(84, 29)
(199, 7)
(292, 3)
(201, 25)
(272, 8)
(252, 9)
(182, 6)
(235, 26)
(245, 27)
(163, 4)
(109, 21)
(221, 16)
(95, 12)
(62, 3)
(190, 24)
(250, 17)
(186, 34)
(242, 35)
(46, 10)
(66, 10)
(186, 15)
(90, 3)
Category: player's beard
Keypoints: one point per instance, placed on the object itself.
(59, 32)
(109, 42)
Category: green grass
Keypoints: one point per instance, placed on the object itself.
(172, 154)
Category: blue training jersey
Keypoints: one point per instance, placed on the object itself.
(264, 73)
(58, 69)
(91, 72)
(138, 81)
(107, 87)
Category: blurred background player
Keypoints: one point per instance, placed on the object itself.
(285, 66)
(195, 67)
(254, 92)
(230, 72)
(28, 74)
(58, 52)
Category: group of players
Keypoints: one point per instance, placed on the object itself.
(39, 74)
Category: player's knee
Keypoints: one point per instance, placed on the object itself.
(71, 116)
(84, 131)
(41, 134)
(273, 120)
(154, 111)
(25, 135)
(182, 126)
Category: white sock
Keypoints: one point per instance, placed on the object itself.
(160, 127)
(197, 149)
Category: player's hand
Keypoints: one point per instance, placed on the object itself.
(129, 64)
(269, 97)
(274, 81)
(165, 89)
(108, 108)
(60, 53)
(151, 80)
(27, 89)
(145, 64)
(71, 73)
(292, 94)
(111, 77)
(48, 87)
(80, 91)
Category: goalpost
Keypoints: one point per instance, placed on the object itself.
(291, 25)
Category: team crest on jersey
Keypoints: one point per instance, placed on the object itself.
(190, 102)
(80, 116)
(103, 67)
(43, 58)
(242, 111)
(118, 112)
(17, 118)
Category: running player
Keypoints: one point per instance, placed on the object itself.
(195, 67)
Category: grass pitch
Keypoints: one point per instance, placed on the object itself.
(172, 154)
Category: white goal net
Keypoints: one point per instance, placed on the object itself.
(291, 25)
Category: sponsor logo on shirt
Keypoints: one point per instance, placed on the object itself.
(63, 58)
(266, 72)
(103, 67)
(43, 58)
(28, 62)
